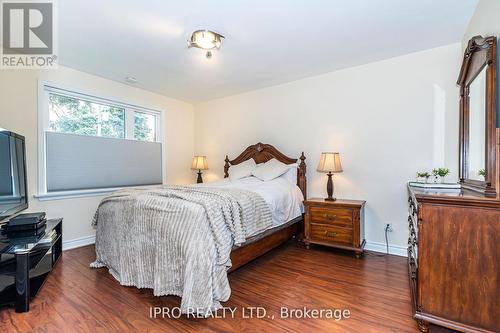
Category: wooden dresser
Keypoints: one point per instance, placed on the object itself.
(454, 260)
(338, 223)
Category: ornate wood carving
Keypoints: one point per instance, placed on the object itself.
(226, 167)
(301, 175)
(480, 53)
(356, 215)
(261, 153)
(423, 326)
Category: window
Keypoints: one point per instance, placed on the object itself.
(85, 116)
(144, 126)
(92, 144)
(76, 116)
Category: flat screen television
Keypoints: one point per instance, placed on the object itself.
(13, 185)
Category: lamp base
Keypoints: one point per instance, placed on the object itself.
(329, 188)
(199, 180)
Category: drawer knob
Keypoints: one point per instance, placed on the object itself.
(330, 217)
(330, 234)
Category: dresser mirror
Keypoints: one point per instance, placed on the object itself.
(477, 128)
(477, 83)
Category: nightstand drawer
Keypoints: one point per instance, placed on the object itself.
(332, 234)
(337, 216)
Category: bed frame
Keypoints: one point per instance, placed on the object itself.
(261, 153)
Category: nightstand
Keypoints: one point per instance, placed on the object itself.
(338, 223)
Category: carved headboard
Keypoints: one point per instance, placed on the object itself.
(261, 153)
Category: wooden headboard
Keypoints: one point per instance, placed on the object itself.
(261, 153)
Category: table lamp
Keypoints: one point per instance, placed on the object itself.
(199, 163)
(329, 163)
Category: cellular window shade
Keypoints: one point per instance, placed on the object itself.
(76, 162)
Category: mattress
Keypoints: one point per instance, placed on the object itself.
(284, 198)
(268, 232)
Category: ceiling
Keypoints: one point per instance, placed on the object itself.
(268, 42)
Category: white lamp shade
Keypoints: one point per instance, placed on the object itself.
(329, 162)
(199, 163)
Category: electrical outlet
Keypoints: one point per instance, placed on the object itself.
(388, 227)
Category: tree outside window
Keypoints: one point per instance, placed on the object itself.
(76, 116)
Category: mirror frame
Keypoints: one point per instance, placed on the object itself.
(480, 53)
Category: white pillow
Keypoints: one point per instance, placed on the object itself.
(242, 170)
(270, 170)
(291, 174)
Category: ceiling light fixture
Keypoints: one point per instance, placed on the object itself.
(206, 40)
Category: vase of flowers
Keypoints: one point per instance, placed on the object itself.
(440, 174)
(482, 173)
(423, 177)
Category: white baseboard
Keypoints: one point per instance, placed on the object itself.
(370, 246)
(78, 242)
(381, 247)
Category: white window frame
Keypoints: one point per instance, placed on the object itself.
(46, 87)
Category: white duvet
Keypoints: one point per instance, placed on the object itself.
(284, 198)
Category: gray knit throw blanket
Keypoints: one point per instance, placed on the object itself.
(177, 240)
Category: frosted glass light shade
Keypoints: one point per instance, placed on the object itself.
(205, 39)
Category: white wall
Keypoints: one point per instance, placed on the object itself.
(485, 21)
(387, 119)
(18, 113)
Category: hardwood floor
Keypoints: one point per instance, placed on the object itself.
(374, 289)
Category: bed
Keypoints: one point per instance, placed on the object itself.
(184, 240)
(256, 247)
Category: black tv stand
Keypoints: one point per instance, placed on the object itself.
(24, 267)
